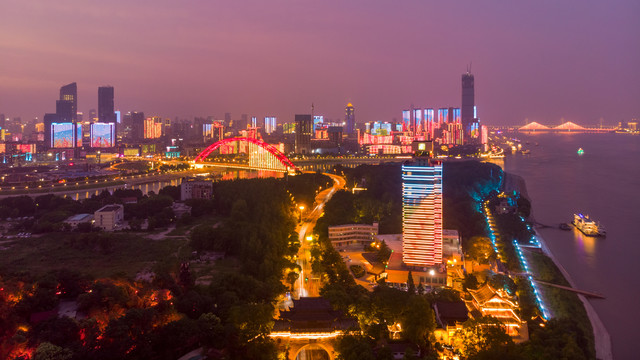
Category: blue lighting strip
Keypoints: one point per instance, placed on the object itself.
(492, 231)
(525, 266)
(523, 261)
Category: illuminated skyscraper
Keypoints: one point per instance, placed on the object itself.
(468, 103)
(70, 93)
(64, 109)
(422, 212)
(430, 125)
(270, 124)
(137, 125)
(406, 120)
(350, 119)
(304, 126)
(106, 113)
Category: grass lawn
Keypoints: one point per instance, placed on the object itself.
(98, 254)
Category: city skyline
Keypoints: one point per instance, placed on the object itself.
(543, 62)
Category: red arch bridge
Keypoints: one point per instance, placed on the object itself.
(262, 156)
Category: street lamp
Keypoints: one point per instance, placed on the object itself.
(301, 207)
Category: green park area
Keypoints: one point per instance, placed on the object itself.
(215, 276)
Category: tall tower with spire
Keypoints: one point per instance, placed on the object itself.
(468, 103)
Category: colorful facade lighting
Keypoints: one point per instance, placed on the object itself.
(422, 213)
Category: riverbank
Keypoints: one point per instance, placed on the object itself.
(601, 336)
(602, 339)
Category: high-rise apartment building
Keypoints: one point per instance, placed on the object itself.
(137, 125)
(106, 112)
(64, 109)
(422, 212)
(350, 119)
(304, 127)
(70, 93)
(467, 112)
(270, 124)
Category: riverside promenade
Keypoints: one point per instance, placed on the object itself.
(601, 336)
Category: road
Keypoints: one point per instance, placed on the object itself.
(307, 284)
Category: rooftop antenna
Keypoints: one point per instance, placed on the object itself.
(311, 110)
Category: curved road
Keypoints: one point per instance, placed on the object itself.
(311, 287)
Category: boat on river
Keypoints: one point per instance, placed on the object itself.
(588, 226)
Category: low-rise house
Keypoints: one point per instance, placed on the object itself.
(449, 318)
(77, 219)
(109, 217)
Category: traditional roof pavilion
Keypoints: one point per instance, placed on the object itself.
(490, 302)
(311, 316)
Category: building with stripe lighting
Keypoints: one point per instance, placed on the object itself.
(422, 212)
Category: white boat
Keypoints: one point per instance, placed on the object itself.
(588, 226)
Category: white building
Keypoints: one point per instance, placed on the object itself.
(195, 189)
(109, 217)
(344, 235)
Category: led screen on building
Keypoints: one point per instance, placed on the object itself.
(406, 120)
(456, 115)
(79, 135)
(417, 121)
(26, 148)
(207, 130)
(270, 124)
(317, 119)
(131, 152)
(62, 135)
(103, 135)
(443, 115)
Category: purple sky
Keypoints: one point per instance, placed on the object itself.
(542, 61)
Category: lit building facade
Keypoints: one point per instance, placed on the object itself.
(153, 127)
(270, 124)
(70, 93)
(304, 128)
(422, 212)
(350, 119)
(358, 234)
(468, 102)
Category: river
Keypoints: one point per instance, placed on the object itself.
(604, 182)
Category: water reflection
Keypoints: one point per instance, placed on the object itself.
(586, 246)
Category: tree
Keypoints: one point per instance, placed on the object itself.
(252, 320)
(417, 320)
(484, 334)
(292, 276)
(383, 253)
(211, 330)
(135, 224)
(480, 249)
(470, 282)
(411, 286)
(48, 351)
(350, 347)
(202, 237)
(172, 191)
